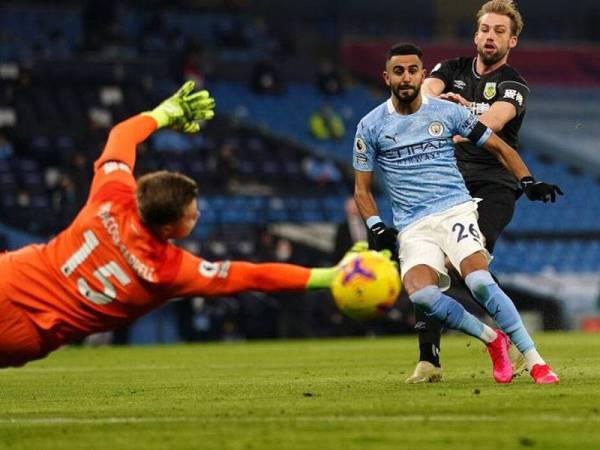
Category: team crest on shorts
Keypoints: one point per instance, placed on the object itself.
(436, 129)
(360, 145)
(489, 91)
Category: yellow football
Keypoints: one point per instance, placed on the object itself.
(366, 285)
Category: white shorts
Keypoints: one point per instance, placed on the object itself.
(453, 233)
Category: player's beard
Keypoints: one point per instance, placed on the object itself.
(406, 100)
(490, 60)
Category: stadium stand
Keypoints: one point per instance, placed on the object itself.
(288, 114)
(257, 164)
(562, 131)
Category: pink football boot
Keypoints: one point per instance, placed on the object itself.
(498, 350)
(543, 374)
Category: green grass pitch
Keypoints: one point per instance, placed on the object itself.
(309, 394)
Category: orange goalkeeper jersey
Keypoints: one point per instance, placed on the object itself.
(107, 268)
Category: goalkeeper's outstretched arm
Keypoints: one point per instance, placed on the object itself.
(200, 277)
(123, 140)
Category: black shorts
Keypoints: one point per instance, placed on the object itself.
(495, 209)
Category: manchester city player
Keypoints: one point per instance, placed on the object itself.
(409, 137)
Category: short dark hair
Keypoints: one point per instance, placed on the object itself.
(405, 48)
(163, 196)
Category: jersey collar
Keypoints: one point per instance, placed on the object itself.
(390, 105)
(476, 75)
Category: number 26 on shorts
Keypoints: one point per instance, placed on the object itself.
(463, 231)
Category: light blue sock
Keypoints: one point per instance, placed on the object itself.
(500, 307)
(447, 310)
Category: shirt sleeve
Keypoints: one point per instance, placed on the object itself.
(117, 161)
(466, 124)
(514, 93)
(444, 71)
(364, 152)
(197, 276)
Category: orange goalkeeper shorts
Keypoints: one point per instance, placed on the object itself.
(20, 340)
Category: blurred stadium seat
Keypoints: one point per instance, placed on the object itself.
(257, 163)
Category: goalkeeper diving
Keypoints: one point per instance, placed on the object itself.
(115, 262)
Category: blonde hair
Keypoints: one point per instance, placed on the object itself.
(504, 8)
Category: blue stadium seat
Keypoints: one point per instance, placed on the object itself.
(288, 114)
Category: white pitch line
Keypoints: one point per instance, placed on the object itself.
(99, 369)
(148, 367)
(289, 419)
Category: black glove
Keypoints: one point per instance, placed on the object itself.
(384, 238)
(538, 190)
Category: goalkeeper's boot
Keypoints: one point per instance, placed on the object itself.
(498, 350)
(519, 364)
(425, 372)
(543, 374)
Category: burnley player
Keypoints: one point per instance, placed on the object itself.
(497, 94)
(409, 137)
(115, 262)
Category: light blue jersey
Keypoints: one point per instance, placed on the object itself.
(415, 153)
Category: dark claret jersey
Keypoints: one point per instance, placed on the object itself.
(504, 84)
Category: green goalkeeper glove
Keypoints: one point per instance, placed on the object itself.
(183, 110)
(321, 278)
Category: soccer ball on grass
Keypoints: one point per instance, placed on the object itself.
(366, 285)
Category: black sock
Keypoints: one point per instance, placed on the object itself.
(429, 330)
(430, 352)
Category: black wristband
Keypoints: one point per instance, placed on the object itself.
(527, 181)
(378, 227)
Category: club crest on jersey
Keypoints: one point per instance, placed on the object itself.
(489, 91)
(436, 129)
(360, 145)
